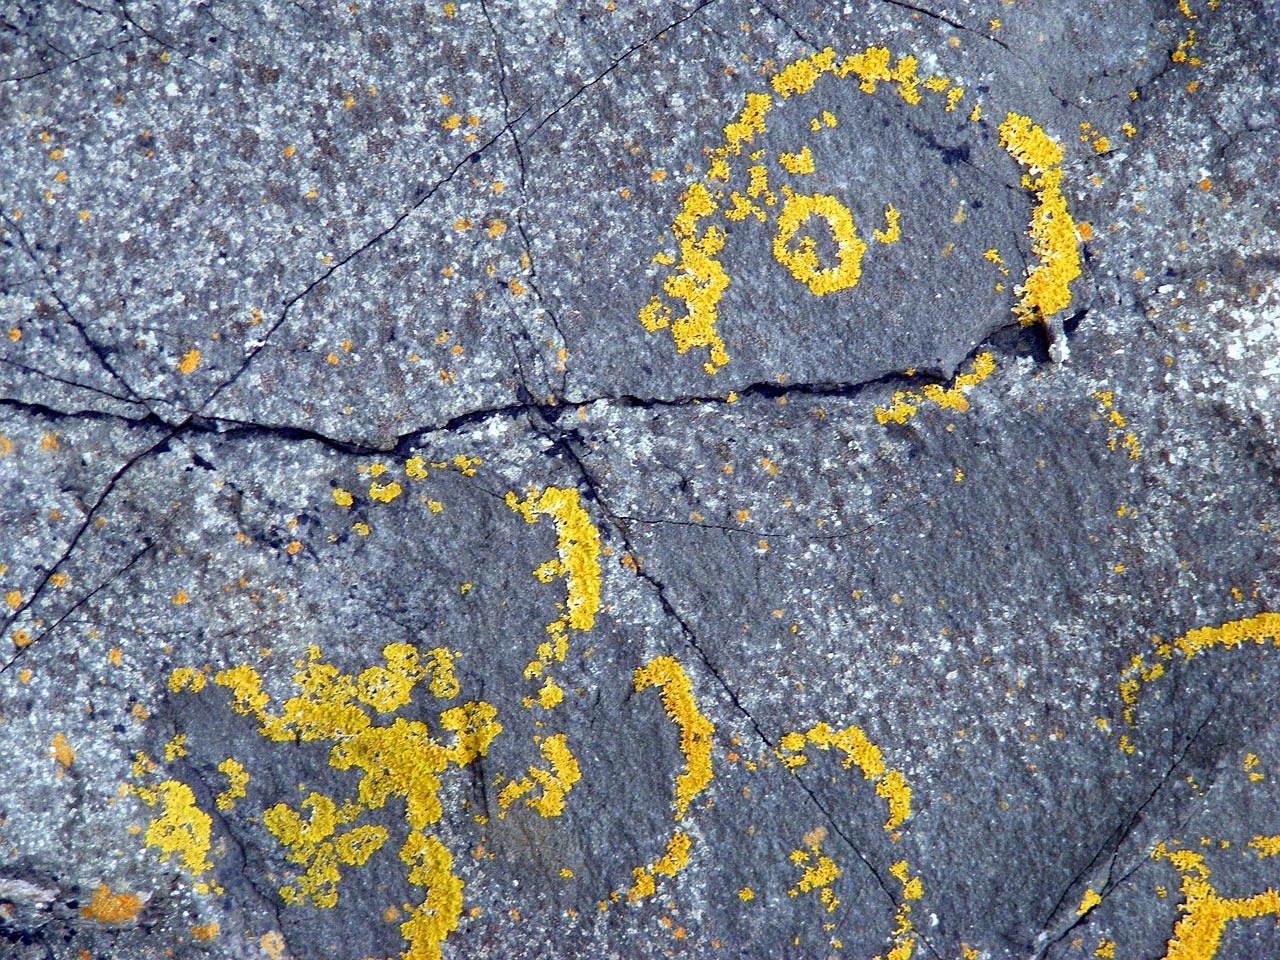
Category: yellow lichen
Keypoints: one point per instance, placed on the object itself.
(1046, 288)
(206, 932)
(181, 829)
(750, 122)
(1266, 846)
(237, 780)
(700, 286)
(912, 889)
(403, 761)
(577, 561)
(555, 782)
(466, 465)
(1116, 435)
(384, 493)
(1205, 914)
(1261, 629)
(893, 789)
(61, 750)
(550, 695)
(903, 941)
(699, 278)
(669, 864)
(742, 208)
(577, 547)
(758, 185)
(1090, 900)
(870, 66)
(820, 872)
(797, 163)
(430, 866)
(906, 403)
(676, 692)
(800, 76)
(315, 844)
(890, 785)
(177, 747)
(891, 232)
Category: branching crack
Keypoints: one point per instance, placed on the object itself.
(76, 537)
(26, 368)
(154, 37)
(950, 21)
(424, 194)
(521, 226)
(617, 62)
(97, 52)
(95, 348)
(1110, 850)
(62, 618)
(619, 523)
(790, 26)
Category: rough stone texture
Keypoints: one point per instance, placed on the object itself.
(254, 258)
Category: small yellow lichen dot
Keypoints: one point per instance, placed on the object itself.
(384, 493)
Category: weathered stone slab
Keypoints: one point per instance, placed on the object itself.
(495, 480)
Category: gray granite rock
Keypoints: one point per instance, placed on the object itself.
(441, 519)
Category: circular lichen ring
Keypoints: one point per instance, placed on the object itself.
(803, 261)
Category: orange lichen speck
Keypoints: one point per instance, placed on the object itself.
(107, 907)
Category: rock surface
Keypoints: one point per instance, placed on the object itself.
(494, 480)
